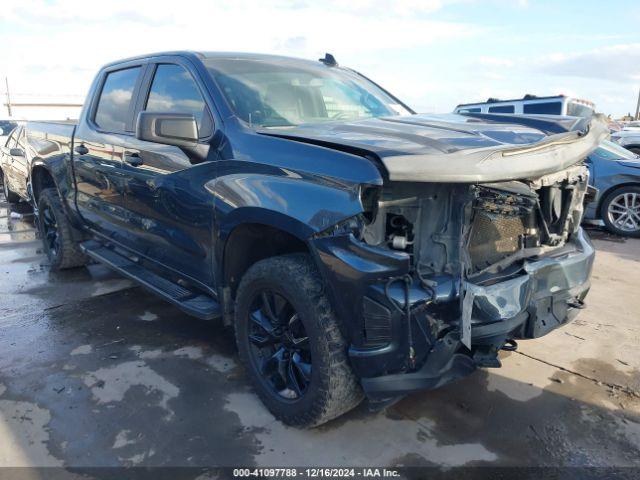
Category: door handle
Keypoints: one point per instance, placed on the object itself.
(81, 149)
(134, 159)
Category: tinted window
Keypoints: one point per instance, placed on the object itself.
(471, 110)
(502, 109)
(115, 100)
(547, 108)
(174, 90)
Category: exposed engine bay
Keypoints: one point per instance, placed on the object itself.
(476, 230)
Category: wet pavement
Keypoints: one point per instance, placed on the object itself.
(97, 372)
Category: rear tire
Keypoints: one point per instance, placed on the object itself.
(8, 194)
(618, 203)
(56, 232)
(306, 327)
(635, 150)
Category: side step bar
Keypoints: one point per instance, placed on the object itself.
(192, 302)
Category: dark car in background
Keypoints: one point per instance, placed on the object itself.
(615, 172)
(13, 166)
(6, 126)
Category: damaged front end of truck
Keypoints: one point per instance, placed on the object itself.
(458, 256)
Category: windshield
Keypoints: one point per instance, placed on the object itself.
(612, 151)
(283, 92)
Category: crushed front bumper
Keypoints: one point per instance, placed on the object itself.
(548, 293)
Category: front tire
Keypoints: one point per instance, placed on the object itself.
(290, 342)
(56, 232)
(620, 211)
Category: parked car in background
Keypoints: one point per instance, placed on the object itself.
(531, 104)
(13, 164)
(615, 172)
(628, 137)
(357, 247)
(6, 127)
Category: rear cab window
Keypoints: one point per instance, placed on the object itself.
(116, 100)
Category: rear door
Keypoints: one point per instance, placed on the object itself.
(98, 145)
(169, 211)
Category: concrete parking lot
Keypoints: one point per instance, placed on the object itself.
(97, 372)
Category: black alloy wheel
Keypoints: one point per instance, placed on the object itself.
(50, 233)
(291, 344)
(279, 345)
(57, 233)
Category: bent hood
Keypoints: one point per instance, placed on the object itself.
(466, 148)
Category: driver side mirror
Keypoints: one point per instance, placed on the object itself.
(16, 152)
(178, 129)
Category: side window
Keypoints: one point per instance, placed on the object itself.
(471, 110)
(501, 109)
(547, 108)
(174, 90)
(115, 100)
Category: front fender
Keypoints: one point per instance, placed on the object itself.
(299, 204)
(350, 267)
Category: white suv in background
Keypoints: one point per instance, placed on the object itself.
(532, 104)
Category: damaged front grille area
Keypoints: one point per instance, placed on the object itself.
(468, 230)
(502, 224)
(523, 217)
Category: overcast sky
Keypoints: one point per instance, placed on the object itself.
(433, 54)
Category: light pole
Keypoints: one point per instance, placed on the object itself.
(6, 81)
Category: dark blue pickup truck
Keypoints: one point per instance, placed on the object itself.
(357, 248)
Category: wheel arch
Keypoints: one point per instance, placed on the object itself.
(40, 178)
(250, 242)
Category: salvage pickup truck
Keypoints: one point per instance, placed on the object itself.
(357, 248)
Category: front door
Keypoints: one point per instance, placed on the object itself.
(169, 212)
